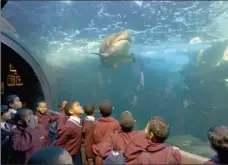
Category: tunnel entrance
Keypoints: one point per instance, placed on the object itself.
(18, 78)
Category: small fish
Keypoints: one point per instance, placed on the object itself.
(142, 79)
(185, 103)
(134, 102)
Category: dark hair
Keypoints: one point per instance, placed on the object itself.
(68, 108)
(46, 156)
(4, 109)
(19, 114)
(61, 104)
(218, 137)
(10, 99)
(90, 109)
(160, 129)
(39, 102)
(106, 108)
(126, 121)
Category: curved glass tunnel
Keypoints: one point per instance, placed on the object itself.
(180, 48)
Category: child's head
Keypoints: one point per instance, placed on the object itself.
(51, 156)
(106, 108)
(13, 101)
(63, 105)
(90, 109)
(23, 116)
(218, 137)
(74, 109)
(5, 114)
(157, 130)
(127, 121)
(41, 107)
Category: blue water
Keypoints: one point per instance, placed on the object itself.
(62, 35)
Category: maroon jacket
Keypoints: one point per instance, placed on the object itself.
(70, 137)
(26, 141)
(118, 141)
(87, 137)
(45, 119)
(104, 127)
(62, 120)
(161, 153)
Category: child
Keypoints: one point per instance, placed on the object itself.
(5, 134)
(218, 137)
(62, 106)
(70, 137)
(62, 117)
(51, 156)
(104, 127)
(45, 118)
(87, 133)
(27, 137)
(132, 143)
(14, 103)
(157, 130)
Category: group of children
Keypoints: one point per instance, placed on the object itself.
(25, 137)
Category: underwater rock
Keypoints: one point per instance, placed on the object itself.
(191, 144)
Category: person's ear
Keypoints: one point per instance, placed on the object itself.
(71, 112)
(11, 105)
(151, 135)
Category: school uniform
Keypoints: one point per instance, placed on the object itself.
(45, 119)
(70, 138)
(88, 125)
(12, 113)
(5, 142)
(62, 120)
(104, 127)
(26, 141)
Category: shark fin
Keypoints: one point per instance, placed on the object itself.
(96, 54)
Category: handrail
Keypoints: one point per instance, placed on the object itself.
(186, 157)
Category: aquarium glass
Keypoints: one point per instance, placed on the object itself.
(180, 71)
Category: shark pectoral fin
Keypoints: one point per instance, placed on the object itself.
(128, 59)
(96, 54)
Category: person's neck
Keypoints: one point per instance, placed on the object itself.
(78, 116)
(91, 115)
(42, 113)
